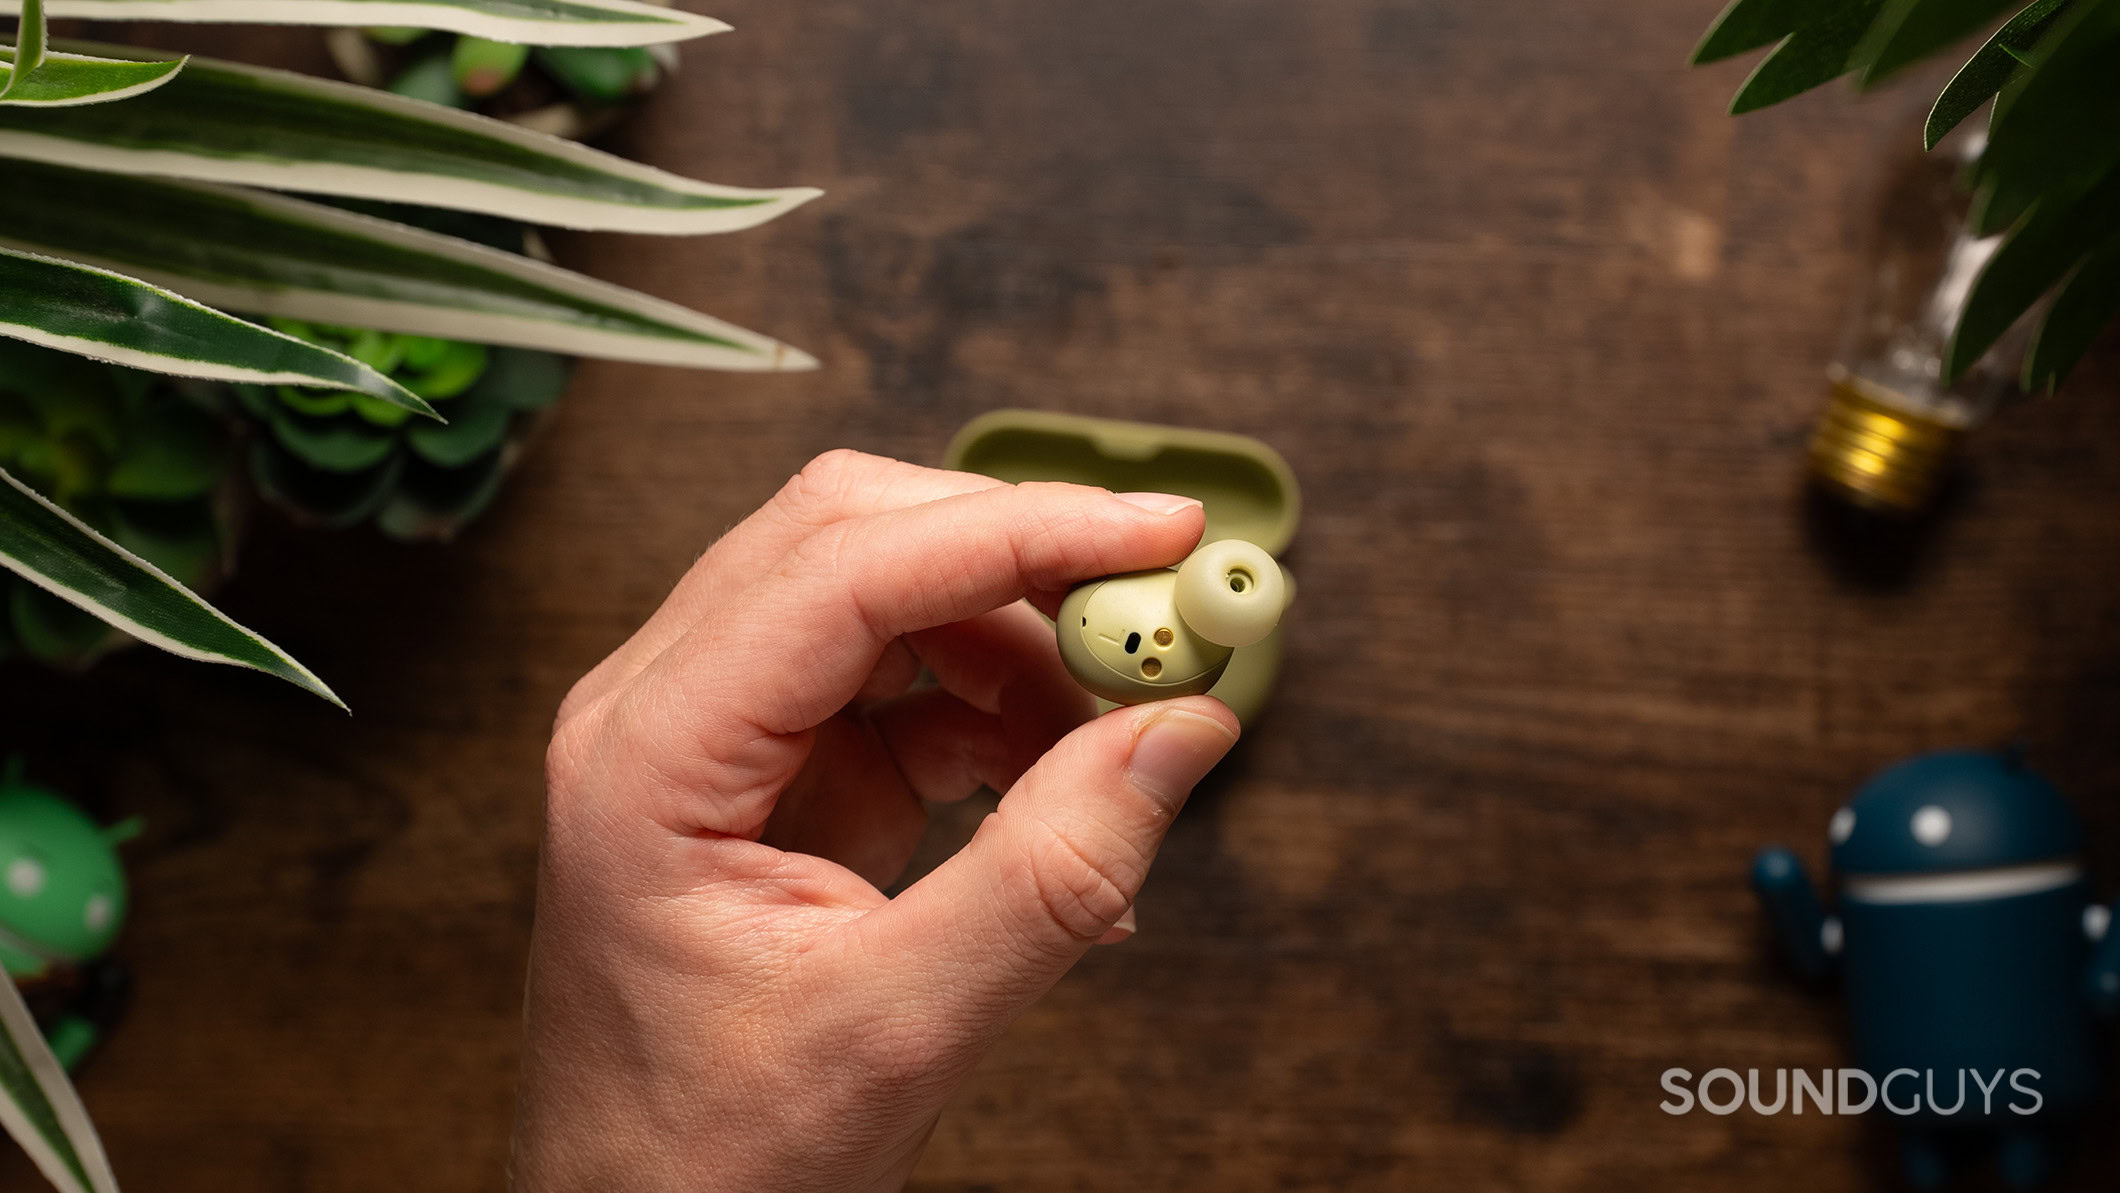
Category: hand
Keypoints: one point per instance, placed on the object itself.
(720, 997)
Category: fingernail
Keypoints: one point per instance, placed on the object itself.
(1159, 503)
(1122, 930)
(1175, 751)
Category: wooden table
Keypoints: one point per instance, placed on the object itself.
(1541, 331)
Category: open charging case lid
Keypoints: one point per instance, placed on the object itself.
(1247, 489)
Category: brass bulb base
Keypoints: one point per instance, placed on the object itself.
(1878, 454)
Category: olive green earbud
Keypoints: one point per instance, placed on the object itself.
(1155, 635)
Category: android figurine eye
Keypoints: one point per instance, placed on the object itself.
(25, 877)
(1170, 632)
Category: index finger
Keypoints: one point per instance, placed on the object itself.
(809, 632)
(837, 485)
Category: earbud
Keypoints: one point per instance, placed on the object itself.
(1155, 635)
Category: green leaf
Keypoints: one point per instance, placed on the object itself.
(1990, 68)
(40, 374)
(482, 67)
(479, 426)
(377, 414)
(524, 379)
(224, 122)
(1746, 25)
(2086, 302)
(53, 632)
(59, 553)
(1909, 30)
(329, 499)
(451, 373)
(64, 420)
(29, 47)
(1997, 205)
(1815, 53)
(65, 80)
(264, 254)
(378, 350)
(426, 352)
(432, 504)
(108, 316)
(184, 539)
(343, 443)
(176, 453)
(395, 35)
(598, 75)
(2049, 241)
(533, 22)
(432, 79)
(319, 403)
(2057, 125)
(40, 1109)
(19, 424)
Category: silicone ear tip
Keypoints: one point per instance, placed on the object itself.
(1231, 592)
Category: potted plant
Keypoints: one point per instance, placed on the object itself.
(2048, 174)
(568, 91)
(142, 224)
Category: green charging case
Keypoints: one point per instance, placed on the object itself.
(1247, 488)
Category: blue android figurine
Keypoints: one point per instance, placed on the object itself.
(1967, 941)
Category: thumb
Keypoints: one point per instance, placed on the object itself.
(1053, 868)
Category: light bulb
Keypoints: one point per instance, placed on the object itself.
(1892, 424)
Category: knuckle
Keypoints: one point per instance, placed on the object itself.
(821, 565)
(566, 760)
(1083, 889)
(579, 698)
(813, 494)
(822, 556)
(567, 774)
(833, 468)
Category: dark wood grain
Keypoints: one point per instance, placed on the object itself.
(1540, 330)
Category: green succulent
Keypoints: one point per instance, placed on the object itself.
(138, 457)
(468, 72)
(118, 166)
(340, 458)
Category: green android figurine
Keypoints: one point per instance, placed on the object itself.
(62, 901)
